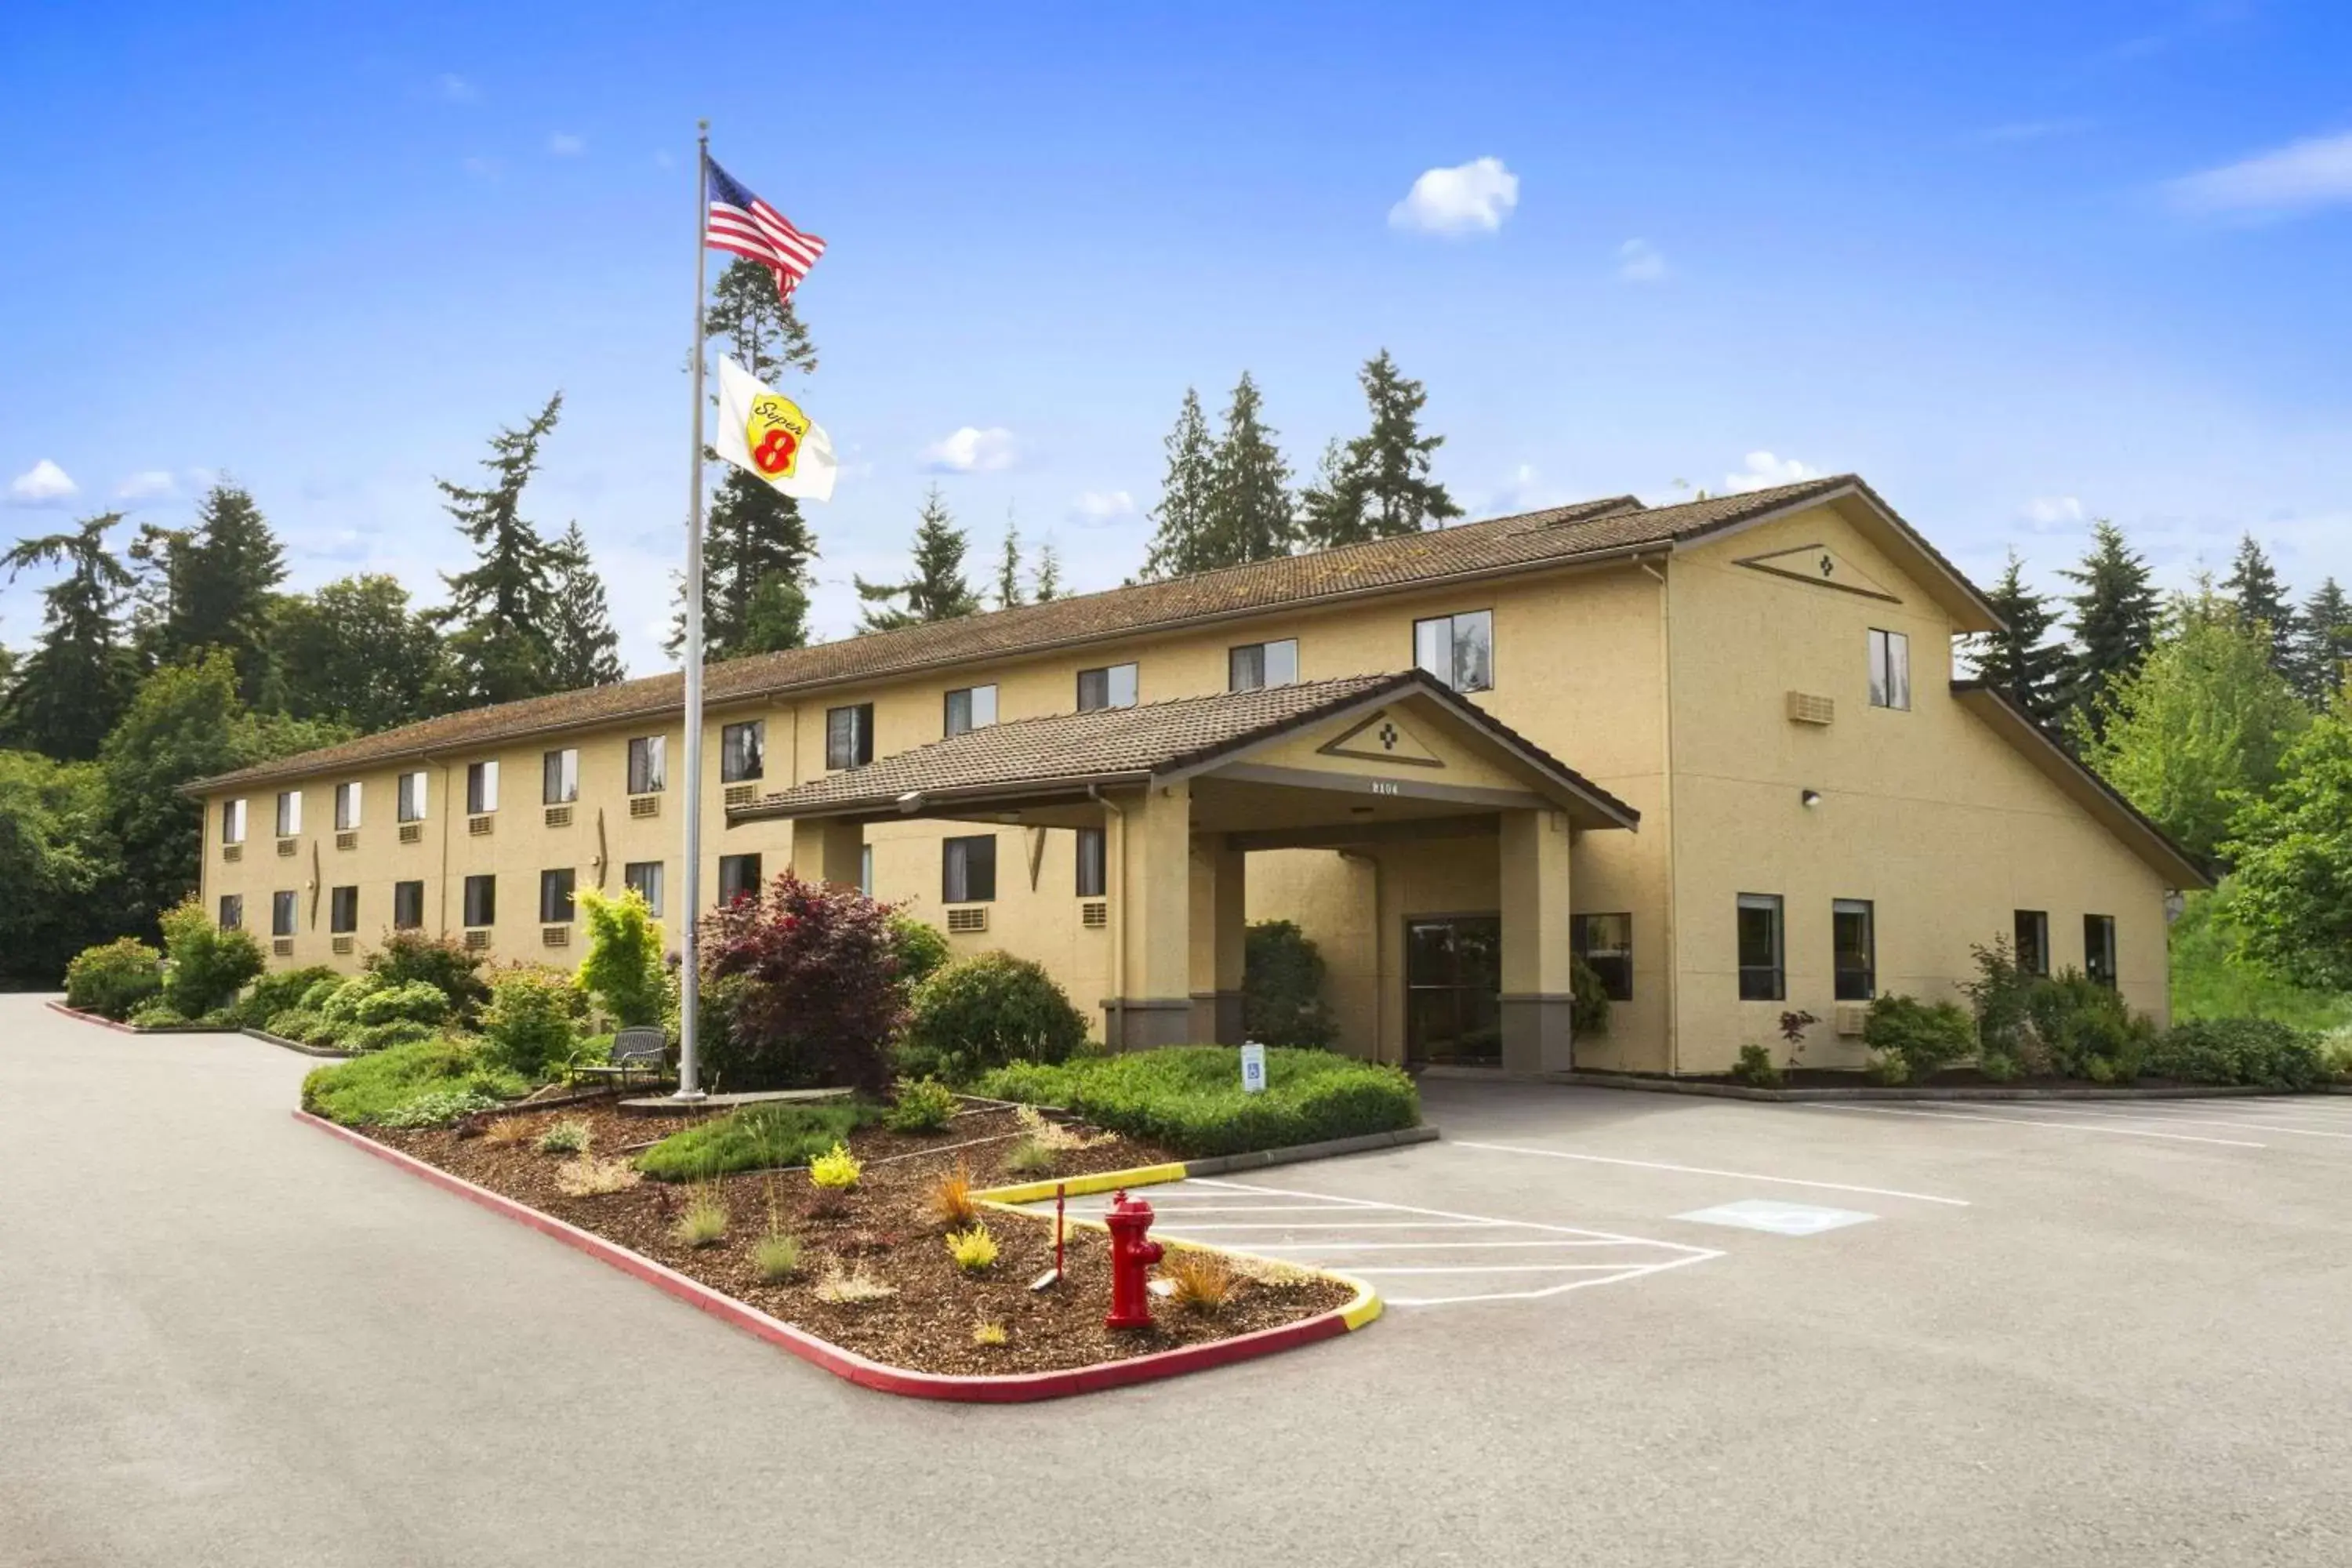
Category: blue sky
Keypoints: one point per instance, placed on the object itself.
(2019, 265)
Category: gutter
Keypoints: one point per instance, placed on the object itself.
(1076, 786)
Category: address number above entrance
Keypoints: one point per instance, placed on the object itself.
(1382, 738)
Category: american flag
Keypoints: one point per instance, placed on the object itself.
(743, 223)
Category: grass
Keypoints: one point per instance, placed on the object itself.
(2209, 982)
(1031, 1158)
(589, 1177)
(1190, 1098)
(508, 1129)
(951, 1199)
(972, 1249)
(703, 1222)
(569, 1136)
(776, 1255)
(988, 1335)
(366, 1089)
(756, 1138)
(852, 1287)
(1203, 1281)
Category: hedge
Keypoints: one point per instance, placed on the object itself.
(1189, 1099)
(756, 1138)
(368, 1089)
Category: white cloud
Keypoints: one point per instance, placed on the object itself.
(2050, 511)
(1638, 261)
(41, 484)
(1469, 198)
(1525, 490)
(2314, 172)
(564, 144)
(1100, 508)
(456, 89)
(145, 486)
(970, 451)
(1765, 470)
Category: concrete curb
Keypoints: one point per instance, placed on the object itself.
(327, 1052)
(1208, 1165)
(1928, 1091)
(89, 1018)
(1009, 1389)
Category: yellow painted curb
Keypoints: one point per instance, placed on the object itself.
(1080, 1186)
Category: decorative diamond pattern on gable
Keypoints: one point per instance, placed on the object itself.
(1824, 567)
(1383, 738)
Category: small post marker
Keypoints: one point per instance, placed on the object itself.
(1052, 1277)
(1253, 1067)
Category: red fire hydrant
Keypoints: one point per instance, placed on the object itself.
(1132, 1258)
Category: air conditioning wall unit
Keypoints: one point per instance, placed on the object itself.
(1809, 707)
(965, 921)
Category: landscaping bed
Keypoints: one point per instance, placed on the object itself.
(881, 1230)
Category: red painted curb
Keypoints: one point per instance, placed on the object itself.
(90, 1018)
(1010, 1389)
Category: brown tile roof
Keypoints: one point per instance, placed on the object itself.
(1530, 540)
(1070, 750)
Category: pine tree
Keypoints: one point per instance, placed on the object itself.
(2322, 646)
(2114, 623)
(228, 573)
(1045, 582)
(2253, 587)
(70, 690)
(354, 654)
(937, 590)
(1008, 568)
(776, 619)
(584, 648)
(1378, 486)
(759, 328)
(1250, 513)
(1186, 498)
(2023, 663)
(505, 608)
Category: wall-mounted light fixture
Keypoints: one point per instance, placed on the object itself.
(1808, 798)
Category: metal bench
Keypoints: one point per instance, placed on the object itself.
(642, 1050)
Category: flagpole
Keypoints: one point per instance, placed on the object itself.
(689, 978)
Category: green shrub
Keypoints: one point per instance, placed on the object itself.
(315, 999)
(1588, 1007)
(569, 1136)
(2073, 1018)
(532, 1019)
(1926, 1036)
(2335, 1053)
(1756, 1066)
(367, 1088)
(273, 994)
(2240, 1051)
(158, 1015)
(297, 1023)
(1998, 1068)
(438, 1108)
(1282, 987)
(921, 1105)
(1889, 1071)
(1030, 1158)
(986, 1011)
(922, 950)
(756, 1138)
(343, 1004)
(385, 1035)
(415, 1001)
(623, 968)
(208, 966)
(441, 963)
(1190, 1098)
(114, 980)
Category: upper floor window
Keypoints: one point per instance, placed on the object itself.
(2032, 928)
(1457, 649)
(1606, 944)
(1092, 867)
(2099, 949)
(481, 787)
(849, 736)
(343, 911)
(1761, 977)
(1112, 686)
(411, 802)
(968, 869)
(1258, 664)
(971, 707)
(1853, 949)
(232, 822)
(742, 751)
(289, 813)
(1890, 669)
(281, 913)
(648, 764)
(347, 806)
(560, 777)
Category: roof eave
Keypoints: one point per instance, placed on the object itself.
(1071, 785)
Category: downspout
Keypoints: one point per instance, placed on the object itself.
(1379, 950)
(1118, 912)
(1666, 788)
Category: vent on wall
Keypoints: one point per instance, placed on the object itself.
(412, 833)
(1807, 707)
(555, 936)
(476, 940)
(1852, 1017)
(341, 944)
(281, 946)
(559, 817)
(644, 806)
(479, 826)
(1094, 915)
(968, 920)
(739, 794)
(232, 851)
(288, 845)
(347, 840)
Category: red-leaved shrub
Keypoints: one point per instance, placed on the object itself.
(810, 973)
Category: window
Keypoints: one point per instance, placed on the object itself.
(232, 912)
(2099, 949)
(1093, 876)
(407, 906)
(289, 813)
(848, 736)
(1890, 669)
(1113, 686)
(648, 764)
(347, 806)
(555, 896)
(560, 777)
(1760, 976)
(865, 870)
(1854, 947)
(1261, 664)
(1457, 649)
(971, 707)
(481, 900)
(343, 911)
(1606, 942)
(643, 878)
(410, 805)
(481, 787)
(2032, 940)
(742, 751)
(232, 822)
(969, 870)
(739, 877)
(281, 913)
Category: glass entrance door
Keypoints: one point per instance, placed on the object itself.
(1452, 986)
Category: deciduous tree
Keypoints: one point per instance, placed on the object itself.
(2289, 900)
(69, 692)
(354, 654)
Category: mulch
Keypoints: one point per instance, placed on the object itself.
(882, 1226)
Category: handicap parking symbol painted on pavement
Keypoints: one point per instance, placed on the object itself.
(1778, 1218)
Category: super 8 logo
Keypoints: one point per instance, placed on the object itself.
(774, 432)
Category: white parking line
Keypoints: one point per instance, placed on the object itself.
(1704, 1171)
(2030, 1121)
(2264, 1125)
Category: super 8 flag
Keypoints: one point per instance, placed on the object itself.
(769, 436)
(743, 223)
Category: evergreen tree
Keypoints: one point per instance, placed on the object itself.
(1008, 568)
(2114, 623)
(1046, 581)
(504, 609)
(69, 691)
(1378, 486)
(2023, 663)
(584, 648)
(1186, 498)
(227, 571)
(747, 318)
(1250, 513)
(777, 618)
(2253, 587)
(353, 654)
(2323, 645)
(937, 590)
